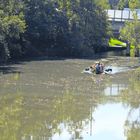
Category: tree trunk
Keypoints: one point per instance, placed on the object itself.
(128, 49)
(137, 53)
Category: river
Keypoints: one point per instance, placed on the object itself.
(53, 100)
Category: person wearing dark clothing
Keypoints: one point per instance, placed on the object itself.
(97, 68)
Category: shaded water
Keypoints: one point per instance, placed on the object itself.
(52, 100)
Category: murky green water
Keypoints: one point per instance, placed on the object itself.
(53, 100)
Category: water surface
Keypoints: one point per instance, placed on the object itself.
(53, 100)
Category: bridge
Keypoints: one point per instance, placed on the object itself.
(117, 18)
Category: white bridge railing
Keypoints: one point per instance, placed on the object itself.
(122, 15)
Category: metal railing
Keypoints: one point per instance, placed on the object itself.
(122, 15)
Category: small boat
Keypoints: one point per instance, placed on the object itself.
(91, 71)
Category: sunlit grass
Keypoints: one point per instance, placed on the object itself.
(114, 42)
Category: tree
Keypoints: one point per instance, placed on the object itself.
(49, 28)
(130, 32)
(128, 4)
(67, 27)
(12, 25)
(57, 28)
(134, 4)
(123, 4)
(113, 4)
(103, 3)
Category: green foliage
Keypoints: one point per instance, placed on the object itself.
(57, 27)
(130, 32)
(66, 27)
(103, 3)
(12, 25)
(123, 4)
(134, 4)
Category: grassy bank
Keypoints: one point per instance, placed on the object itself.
(115, 42)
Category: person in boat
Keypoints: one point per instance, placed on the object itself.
(98, 67)
(101, 67)
(93, 67)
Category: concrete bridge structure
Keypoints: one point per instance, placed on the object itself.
(117, 18)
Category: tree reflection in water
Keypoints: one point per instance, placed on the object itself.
(131, 96)
(40, 117)
(23, 117)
